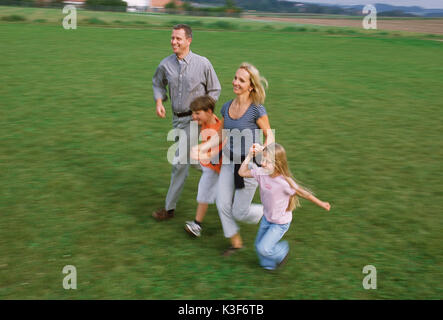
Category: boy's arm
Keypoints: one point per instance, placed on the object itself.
(200, 151)
(211, 154)
(302, 193)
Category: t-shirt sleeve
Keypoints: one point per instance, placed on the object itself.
(256, 173)
(289, 190)
(261, 111)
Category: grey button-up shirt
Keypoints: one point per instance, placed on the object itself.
(186, 80)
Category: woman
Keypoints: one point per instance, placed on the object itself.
(241, 117)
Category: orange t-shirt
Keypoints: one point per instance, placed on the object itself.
(205, 137)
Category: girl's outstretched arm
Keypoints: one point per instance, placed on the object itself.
(304, 194)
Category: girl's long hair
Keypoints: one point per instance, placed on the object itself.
(258, 83)
(278, 154)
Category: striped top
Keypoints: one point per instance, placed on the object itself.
(244, 129)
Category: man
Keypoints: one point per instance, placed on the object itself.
(187, 76)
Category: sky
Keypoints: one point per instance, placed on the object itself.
(428, 4)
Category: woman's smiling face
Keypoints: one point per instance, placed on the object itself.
(241, 82)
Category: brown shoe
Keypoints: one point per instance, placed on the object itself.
(162, 214)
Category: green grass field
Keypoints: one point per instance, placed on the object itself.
(83, 164)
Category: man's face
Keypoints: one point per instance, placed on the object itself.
(179, 43)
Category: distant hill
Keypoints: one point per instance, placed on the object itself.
(412, 10)
(301, 7)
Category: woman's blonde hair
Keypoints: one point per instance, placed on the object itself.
(276, 152)
(258, 83)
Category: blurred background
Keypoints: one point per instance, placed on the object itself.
(83, 154)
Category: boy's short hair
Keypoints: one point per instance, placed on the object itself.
(203, 103)
(185, 27)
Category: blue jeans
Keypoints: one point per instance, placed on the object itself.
(270, 249)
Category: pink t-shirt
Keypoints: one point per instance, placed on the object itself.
(274, 194)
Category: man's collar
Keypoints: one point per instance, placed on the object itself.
(188, 57)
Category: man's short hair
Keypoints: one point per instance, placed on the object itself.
(188, 30)
(204, 103)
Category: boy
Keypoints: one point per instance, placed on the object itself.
(203, 112)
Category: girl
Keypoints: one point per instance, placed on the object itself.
(279, 195)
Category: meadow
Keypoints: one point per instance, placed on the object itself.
(83, 161)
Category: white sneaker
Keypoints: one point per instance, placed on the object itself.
(193, 229)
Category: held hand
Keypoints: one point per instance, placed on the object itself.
(197, 154)
(255, 148)
(251, 151)
(258, 148)
(205, 161)
(161, 112)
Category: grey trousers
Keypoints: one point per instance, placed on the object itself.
(235, 204)
(180, 170)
